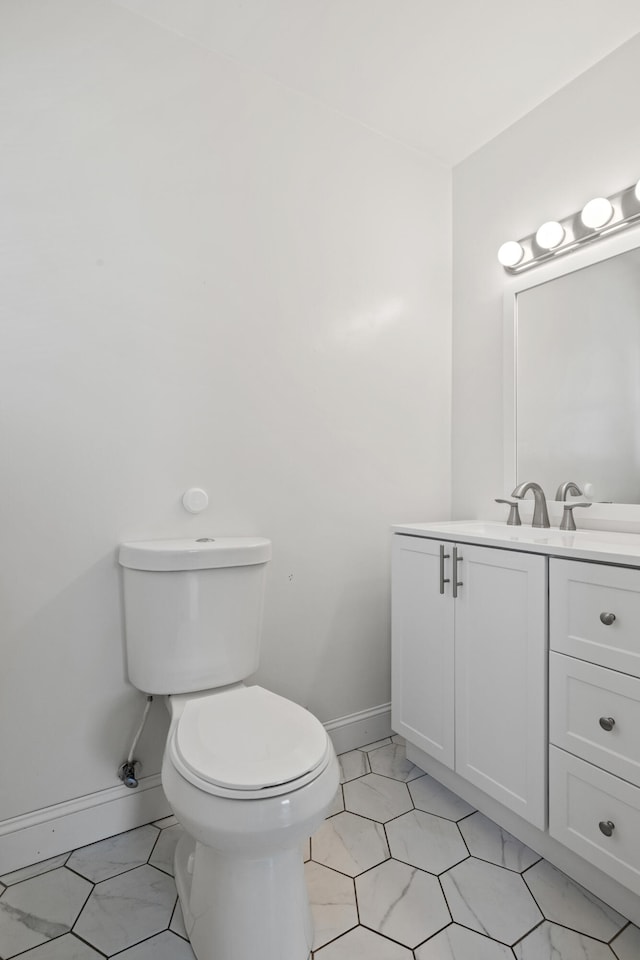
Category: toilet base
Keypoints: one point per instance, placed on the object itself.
(239, 908)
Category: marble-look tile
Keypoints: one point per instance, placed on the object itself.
(626, 945)
(458, 943)
(488, 841)
(363, 944)
(566, 902)
(66, 947)
(40, 909)
(165, 848)
(164, 946)
(490, 899)
(376, 797)
(349, 843)
(396, 738)
(17, 876)
(375, 744)
(425, 841)
(169, 821)
(391, 761)
(432, 797)
(552, 941)
(333, 903)
(126, 909)
(337, 805)
(353, 764)
(177, 922)
(107, 858)
(401, 902)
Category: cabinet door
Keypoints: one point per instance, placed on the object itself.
(422, 695)
(501, 669)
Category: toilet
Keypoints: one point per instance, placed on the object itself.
(249, 774)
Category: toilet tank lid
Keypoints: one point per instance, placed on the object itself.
(194, 554)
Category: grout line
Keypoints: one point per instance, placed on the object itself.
(129, 869)
(355, 894)
(580, 933)
(155, 842)
(139, 942)
(333, 940)
(85, 902)
(7, 886)
(82, 940)
(525, 935)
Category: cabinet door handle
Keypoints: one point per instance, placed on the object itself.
(607, 723)
(443, 556)
(607, 618)
(607, 827)
(456, 583)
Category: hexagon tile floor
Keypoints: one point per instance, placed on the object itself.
(402, 869)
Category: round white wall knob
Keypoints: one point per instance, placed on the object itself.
(195, 500)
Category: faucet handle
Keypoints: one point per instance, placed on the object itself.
(568, 487)
(514, 514)
(568, 523)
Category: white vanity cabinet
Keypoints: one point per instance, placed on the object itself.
(469, 662)
(522, 693)
(594, 718)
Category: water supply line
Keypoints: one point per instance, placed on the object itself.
(127, 770)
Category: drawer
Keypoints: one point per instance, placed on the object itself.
(580, 695)
(581, 797)
(581, 595)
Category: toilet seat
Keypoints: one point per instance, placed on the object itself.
(248, 743)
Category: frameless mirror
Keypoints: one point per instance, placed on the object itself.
(573, 375)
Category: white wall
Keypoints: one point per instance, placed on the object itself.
(582, 142)
(207, 280)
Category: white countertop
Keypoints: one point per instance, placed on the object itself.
(605, 546)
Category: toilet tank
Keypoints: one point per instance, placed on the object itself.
(193, 611)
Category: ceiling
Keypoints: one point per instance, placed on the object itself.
(443, 76)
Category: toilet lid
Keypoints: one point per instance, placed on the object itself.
(248, 738)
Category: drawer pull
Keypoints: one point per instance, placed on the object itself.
(607, 723)
(607, 827)
(607, 618)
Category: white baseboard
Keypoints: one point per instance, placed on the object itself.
(358, 729)
(45, 833)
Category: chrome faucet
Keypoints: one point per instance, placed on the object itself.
(566, 488)
(540, 512)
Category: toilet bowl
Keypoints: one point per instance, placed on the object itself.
(239, 868)
(249, 774)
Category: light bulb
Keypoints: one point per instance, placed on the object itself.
(510, 253)
(597, 213)
(550, 235)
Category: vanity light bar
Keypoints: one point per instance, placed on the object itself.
(599, 217)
